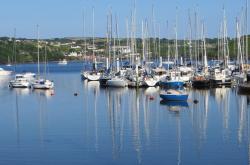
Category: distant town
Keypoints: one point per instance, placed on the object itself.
(23, 50)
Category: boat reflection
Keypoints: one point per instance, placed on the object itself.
(4, 81)
(175, 106)
(175, 103)
(44, 93)
(21, 91)
(151, 90)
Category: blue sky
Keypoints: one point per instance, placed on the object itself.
(63, 18)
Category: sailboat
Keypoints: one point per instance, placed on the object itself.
(201, 80)
(173, 79)
(118, 79)
(93, 75)
(41, 83)
(222, 76)
(149, 79)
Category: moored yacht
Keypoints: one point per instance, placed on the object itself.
(117, 81)
(21, 81)
(42, 84)
(220, 77)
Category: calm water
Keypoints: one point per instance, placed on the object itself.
(119, 126)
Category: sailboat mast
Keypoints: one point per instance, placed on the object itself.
(143, 42)
(247, 31)
(45, 60)
(38, 60)
(93, 37)
(168, 47)
(176, 39)
(14, 48)
(190, 38)
(84, 37)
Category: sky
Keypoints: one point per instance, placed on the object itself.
(64, 18)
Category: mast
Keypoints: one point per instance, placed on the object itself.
(195, 44)
(45, 60)
(116, 38)
(247, 31)
(84, 37)
(176, 39)
(225, 41)
(38, 60)
(127, 40)
(190, 37)
(239, 46)
(159, 45)
(205, 49)
(93, 37)
(168, 47)
(143, 43)
(14, 48)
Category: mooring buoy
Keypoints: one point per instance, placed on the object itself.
(196, 101)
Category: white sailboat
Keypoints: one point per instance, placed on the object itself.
(93, 75)
(41, 83)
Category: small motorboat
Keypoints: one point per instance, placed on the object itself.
(20, 81)
(174, 95)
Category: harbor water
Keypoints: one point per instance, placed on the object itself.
(82, 123)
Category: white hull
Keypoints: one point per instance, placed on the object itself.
(117, 82)
(19, 84)
(93, 76)
(150, 82)
(43, 84)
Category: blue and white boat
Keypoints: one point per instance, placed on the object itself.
(173, 80)
(174, 95)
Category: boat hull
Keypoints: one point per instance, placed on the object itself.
(244, 88)
(43, 85)
(15, 84)
(93, 76)
(201, 83)
(172, 84)
(117, 83)
(214, 82)
(150, 82)
(171, 97)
